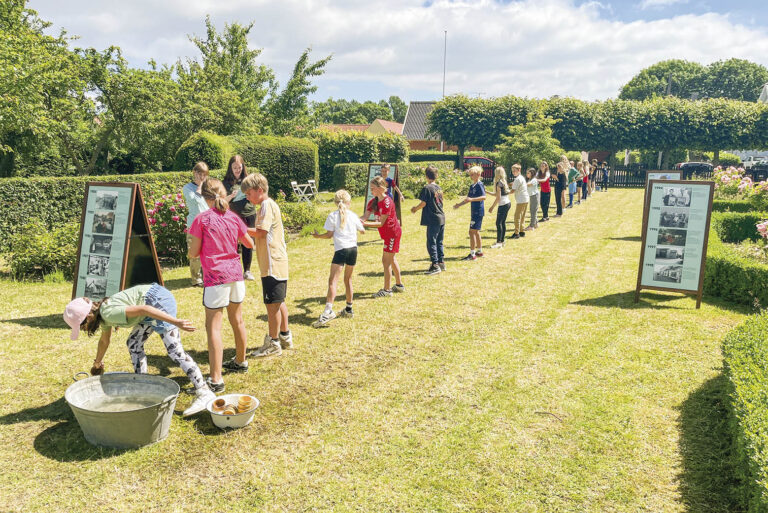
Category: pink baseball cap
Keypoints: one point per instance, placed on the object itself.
(75, 313)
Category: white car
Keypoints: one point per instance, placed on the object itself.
(751, 161)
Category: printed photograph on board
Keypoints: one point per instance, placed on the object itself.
(671, 237)
(677, 196)
(103, 222)
(669, 256)
(106, 200)
(98, 265)
(95, 287)
(668, 273)
(101, 245)
(671, 218)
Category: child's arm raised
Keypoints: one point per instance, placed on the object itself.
(151, 311)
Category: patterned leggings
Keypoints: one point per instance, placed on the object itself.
(172, 342)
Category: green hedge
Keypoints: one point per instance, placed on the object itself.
(434, 156)
(722, 205)
(745, 358)
(214, 150)
(734, 277)
(54, 201)
(737, 226)
(280, 159)
(353, 177)
(342, 147)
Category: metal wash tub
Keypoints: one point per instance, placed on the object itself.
(123, 410)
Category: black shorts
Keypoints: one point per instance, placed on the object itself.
(273, 290)
(345, 256)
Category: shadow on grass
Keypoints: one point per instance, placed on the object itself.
(65, 442)
(306, 311)
(410, 272)
(41, 321)
(627, 300)
(632, 238)
(179, 283)
(706, 480)
(57, 410)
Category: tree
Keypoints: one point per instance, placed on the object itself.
(398, 108)
(351, 111)
(737, 79)
(672, 77)
(531, 142)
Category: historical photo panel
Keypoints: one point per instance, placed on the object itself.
(103, 222)
(95, 287)
(668, 273)
(101, 245)
(106, 200)
(98, 265)
(674, 218)
(677, 197)
(671, 237)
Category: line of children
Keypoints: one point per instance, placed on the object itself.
(433, 217)
(501, 195)
(383, 207)
(520, 188)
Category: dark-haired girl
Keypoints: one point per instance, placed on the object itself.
(240, 205)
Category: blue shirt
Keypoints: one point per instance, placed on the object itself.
(477, 190)
(390, 184)
(195, 202)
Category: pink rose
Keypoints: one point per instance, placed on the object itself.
(159, 204)
(175, 218)
(182, 205)
(163, 224)
(152, 221)
(172, 208)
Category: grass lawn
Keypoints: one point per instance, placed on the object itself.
(525, 381)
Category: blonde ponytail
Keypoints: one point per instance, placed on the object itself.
(213, 190)
(342, 199)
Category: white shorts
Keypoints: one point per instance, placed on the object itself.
(220, 296)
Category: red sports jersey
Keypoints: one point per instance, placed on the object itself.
(391, 227)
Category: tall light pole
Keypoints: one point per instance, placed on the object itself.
(445, 52)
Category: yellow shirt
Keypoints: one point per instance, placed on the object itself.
(270, 250)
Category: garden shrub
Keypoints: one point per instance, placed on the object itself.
(298, 215)
(37, 251)
(745, 365)
(168, 222)
(280, 159)
(737, 226)
(214, 150)
(392, 147)
(352, 177)
(434, 156)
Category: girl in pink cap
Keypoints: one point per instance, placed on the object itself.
(144, 309)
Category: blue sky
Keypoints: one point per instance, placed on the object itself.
(535, 48)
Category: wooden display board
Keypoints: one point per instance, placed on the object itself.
(676, 220)
(374, 170)
(115, 248)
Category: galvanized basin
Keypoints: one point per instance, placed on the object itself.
(123, 410)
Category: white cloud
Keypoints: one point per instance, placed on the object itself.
(648, 4)
(534, 48)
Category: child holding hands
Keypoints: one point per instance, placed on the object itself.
(383, 207)
(476, 196)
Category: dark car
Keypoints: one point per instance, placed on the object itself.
(758, 172)
(696, 168)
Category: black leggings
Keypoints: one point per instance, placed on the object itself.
(559, 200)
(544, 197)
(247, 253)
(501, 221)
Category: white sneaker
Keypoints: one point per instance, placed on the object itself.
(497, 245)
(286, 341)
(269, 348)
(324, 319)
(248, 276)
(203, 395)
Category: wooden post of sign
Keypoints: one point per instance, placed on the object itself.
(674, 236)
(115, 246)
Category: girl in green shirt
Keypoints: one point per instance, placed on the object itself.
(144, 309)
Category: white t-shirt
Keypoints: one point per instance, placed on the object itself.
(521, 189)
(345, 237)
(533, 187)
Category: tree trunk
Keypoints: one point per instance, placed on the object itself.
(7, 164)
(665, 159)
(716, 158)
(460, 153)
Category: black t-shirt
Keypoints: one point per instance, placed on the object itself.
(432, 213)
(562, 181)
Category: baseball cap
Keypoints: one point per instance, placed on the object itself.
(75, 313)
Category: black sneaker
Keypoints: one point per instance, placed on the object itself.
(216, 388)
(515, 236)
(233, 366)
(522, 234)
(471, 256)
(433, 269)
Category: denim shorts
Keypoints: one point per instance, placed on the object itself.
(162, 299)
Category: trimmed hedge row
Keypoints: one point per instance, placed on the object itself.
(341, 147)
(720, 205)
(737, 226)
(354, 178)
(54, 201)
(745, 358)
(214, 150)
(734, 277)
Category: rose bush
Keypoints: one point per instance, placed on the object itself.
(168, 222)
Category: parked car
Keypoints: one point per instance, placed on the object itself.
(487, 164)
(698, 168)
(758, 172)
(751, 161)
